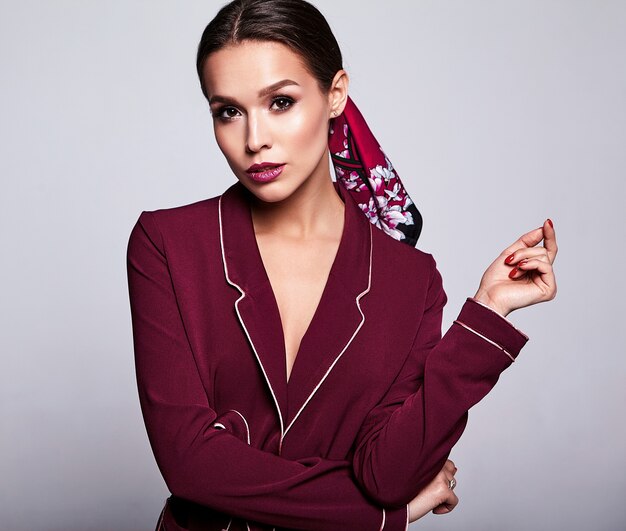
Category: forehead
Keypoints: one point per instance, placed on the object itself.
(246, 67)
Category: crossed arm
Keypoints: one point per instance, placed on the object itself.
(402, 444)
(406, 439)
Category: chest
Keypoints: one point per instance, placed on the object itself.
(348, 319)
(340, 375)
(298, 273)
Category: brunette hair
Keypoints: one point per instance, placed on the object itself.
(295, 23)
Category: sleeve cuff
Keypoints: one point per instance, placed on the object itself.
(492, 326)
(497, 313)
(395, 519)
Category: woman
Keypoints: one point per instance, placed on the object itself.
(288, 347)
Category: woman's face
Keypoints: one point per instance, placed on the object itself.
(267, 107)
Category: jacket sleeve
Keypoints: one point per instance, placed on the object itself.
(199, 459)
(405, 440)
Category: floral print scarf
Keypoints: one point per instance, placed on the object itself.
(364, 170)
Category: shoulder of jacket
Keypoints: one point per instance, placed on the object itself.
(399, 254)
(180, 216)
(183, 221)
(181, 212)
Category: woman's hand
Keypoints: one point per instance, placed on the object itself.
(522, 275)
(436, 496)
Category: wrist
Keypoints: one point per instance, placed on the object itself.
(418, 508)
(483, 298)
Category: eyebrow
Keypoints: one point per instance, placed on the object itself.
(262, 93)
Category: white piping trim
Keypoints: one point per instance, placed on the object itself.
(245, 422)
(283, 432)
(406, 528)
(498, 314)
(369, 283)
(231, 521)
(485, 338)
(221, 426)
(382, 525)
(243, 294)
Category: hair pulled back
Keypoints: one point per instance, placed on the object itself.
(294, 23)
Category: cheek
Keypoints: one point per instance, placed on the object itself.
(227, 140)
(307, 131)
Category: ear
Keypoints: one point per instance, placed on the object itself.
(338, 93)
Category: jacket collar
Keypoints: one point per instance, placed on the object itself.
(335, 322)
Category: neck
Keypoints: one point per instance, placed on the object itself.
(314, 209)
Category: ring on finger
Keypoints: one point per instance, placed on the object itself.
(452, 484)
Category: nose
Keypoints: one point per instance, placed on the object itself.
(258, 134)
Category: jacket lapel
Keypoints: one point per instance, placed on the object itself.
(256, 308)
(338, 317)
(336, 320)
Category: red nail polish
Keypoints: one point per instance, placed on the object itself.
(513, 271)
(550, 221)
(509, 258)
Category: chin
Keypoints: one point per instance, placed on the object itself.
(272, 192)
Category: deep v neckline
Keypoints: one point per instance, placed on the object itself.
(258, 258)
(336, 320)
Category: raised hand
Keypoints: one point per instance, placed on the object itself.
(437, 496)
(522, 275)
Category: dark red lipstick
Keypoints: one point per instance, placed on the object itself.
(265, 171)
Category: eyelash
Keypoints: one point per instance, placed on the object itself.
(218, 113)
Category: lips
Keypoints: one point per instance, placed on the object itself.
(265, 171)
(264, 166)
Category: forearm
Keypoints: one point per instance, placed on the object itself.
(220, 471)
(405, 441)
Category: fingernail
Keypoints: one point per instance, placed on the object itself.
(513, 271)
(522, 262)
(550, 221)
(509, 258)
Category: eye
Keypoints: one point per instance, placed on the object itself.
(219, 113)
(284, 102)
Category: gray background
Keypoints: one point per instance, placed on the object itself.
(496, 114)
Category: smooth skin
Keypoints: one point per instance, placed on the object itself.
(298, 217)
(522, 275)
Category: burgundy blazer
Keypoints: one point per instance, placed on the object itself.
(375, 401)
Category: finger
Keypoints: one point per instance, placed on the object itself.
(545, 280)
(450, 466)
(535, 264)
(449, 479)
(549, 239)
(530, 239)
(531, 264)
(447, 505)
(531, 252)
